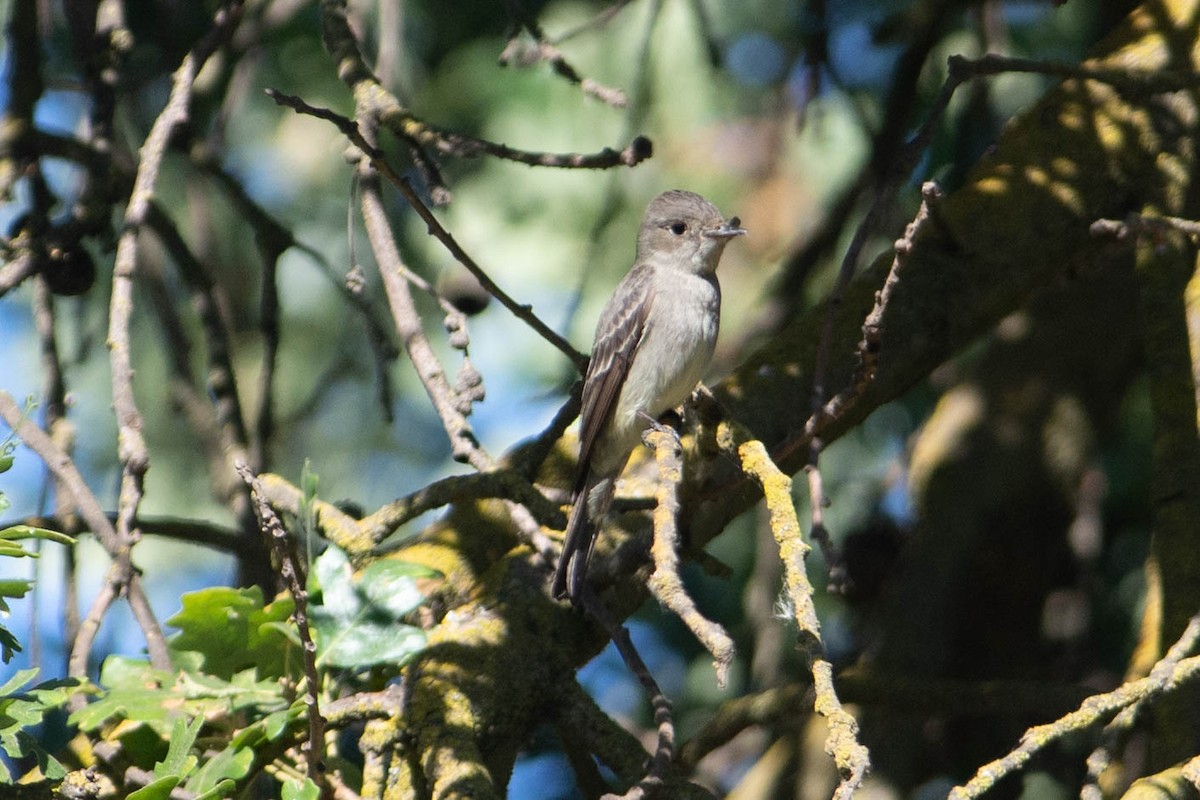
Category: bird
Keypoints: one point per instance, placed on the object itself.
(653, 342)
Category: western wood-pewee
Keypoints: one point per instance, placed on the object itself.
(653, 342)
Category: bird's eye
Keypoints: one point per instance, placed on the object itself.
(679, 228)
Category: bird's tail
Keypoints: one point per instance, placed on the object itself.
(591, 505)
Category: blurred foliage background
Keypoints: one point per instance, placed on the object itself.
(785, 113)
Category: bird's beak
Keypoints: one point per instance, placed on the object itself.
(727, 230)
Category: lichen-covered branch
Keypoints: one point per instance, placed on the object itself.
(665, 582)
(842, 743)
(1093, 711)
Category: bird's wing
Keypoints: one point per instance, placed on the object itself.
(623, 324)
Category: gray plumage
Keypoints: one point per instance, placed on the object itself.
(653, 342)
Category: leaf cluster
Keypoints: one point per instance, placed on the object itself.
(231, 710)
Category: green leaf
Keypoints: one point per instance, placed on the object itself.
(333, 580)
(364, 643)
(300, 790)
(357, 621)
(275, 725)
(29, 532)
(9, 644)
(15, 588)
(232, 763)
(55, 693)
(244, 691)
(13, 550)
(234, 631)
(22, 710)
(133, 690)
(19, 679)
(156, 790)
(179, 761)
(22, 745)
(223, 788)
(391, 585)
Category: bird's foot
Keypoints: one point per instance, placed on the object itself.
(655, 426)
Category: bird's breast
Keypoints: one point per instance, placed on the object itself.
(678, 342)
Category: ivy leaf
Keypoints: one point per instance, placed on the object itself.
(365, 643)
(391, 585)
(357, 622)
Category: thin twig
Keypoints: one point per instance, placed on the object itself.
(521, 312)
(524, 54)
(272, 528)
(207, 302)
(590, 735)
(665, 582)
(664, 752)
(194, 403)
(599, 21)
(198, 532)
(122, 575)
(379, 161)
(64, 470)
(54, 393)
(268, 323)
(825, 412)
(1137, 224)
(218, 416)
(62, 433)
(1123, 79)
(89, 626)
(871, 343)
(131, 446)
(15, 270)
(463, 445)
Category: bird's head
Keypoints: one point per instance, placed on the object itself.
(683, 230)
